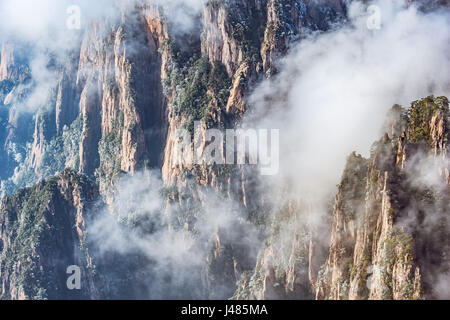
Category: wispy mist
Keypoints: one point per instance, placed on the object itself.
(335, 88)
(173, 238)
(49, 26)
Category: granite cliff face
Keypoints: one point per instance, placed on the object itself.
(127, 85)
(43, 233)
(389, 236)
(120, 96)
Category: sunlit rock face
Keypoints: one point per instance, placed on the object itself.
(388, 235)
(75, 124)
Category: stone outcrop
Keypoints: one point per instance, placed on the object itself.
(115, 109)
(42, 233)
(125, 83)
(388, 234)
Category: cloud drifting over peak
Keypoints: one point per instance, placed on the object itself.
(48, 32)
(334, 89)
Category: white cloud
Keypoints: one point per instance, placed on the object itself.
(334, 89)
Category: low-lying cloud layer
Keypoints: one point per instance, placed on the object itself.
(173, 241)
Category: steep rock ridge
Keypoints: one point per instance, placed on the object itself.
(291, 256)
(42, 233)
(233, 31)
(213, 89)
(133, 83)
(389, 223)
(7, 61)
(104, 116)
(125, 112)
(121, 100)
(8, 70)
(210, 89)
(112, 85)
(110, 112)
(390, 234)
(244, 38)
(16, 126)
(280, 269)
(290, 20)
(67, 100)
(13, 62)
(52, 119)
